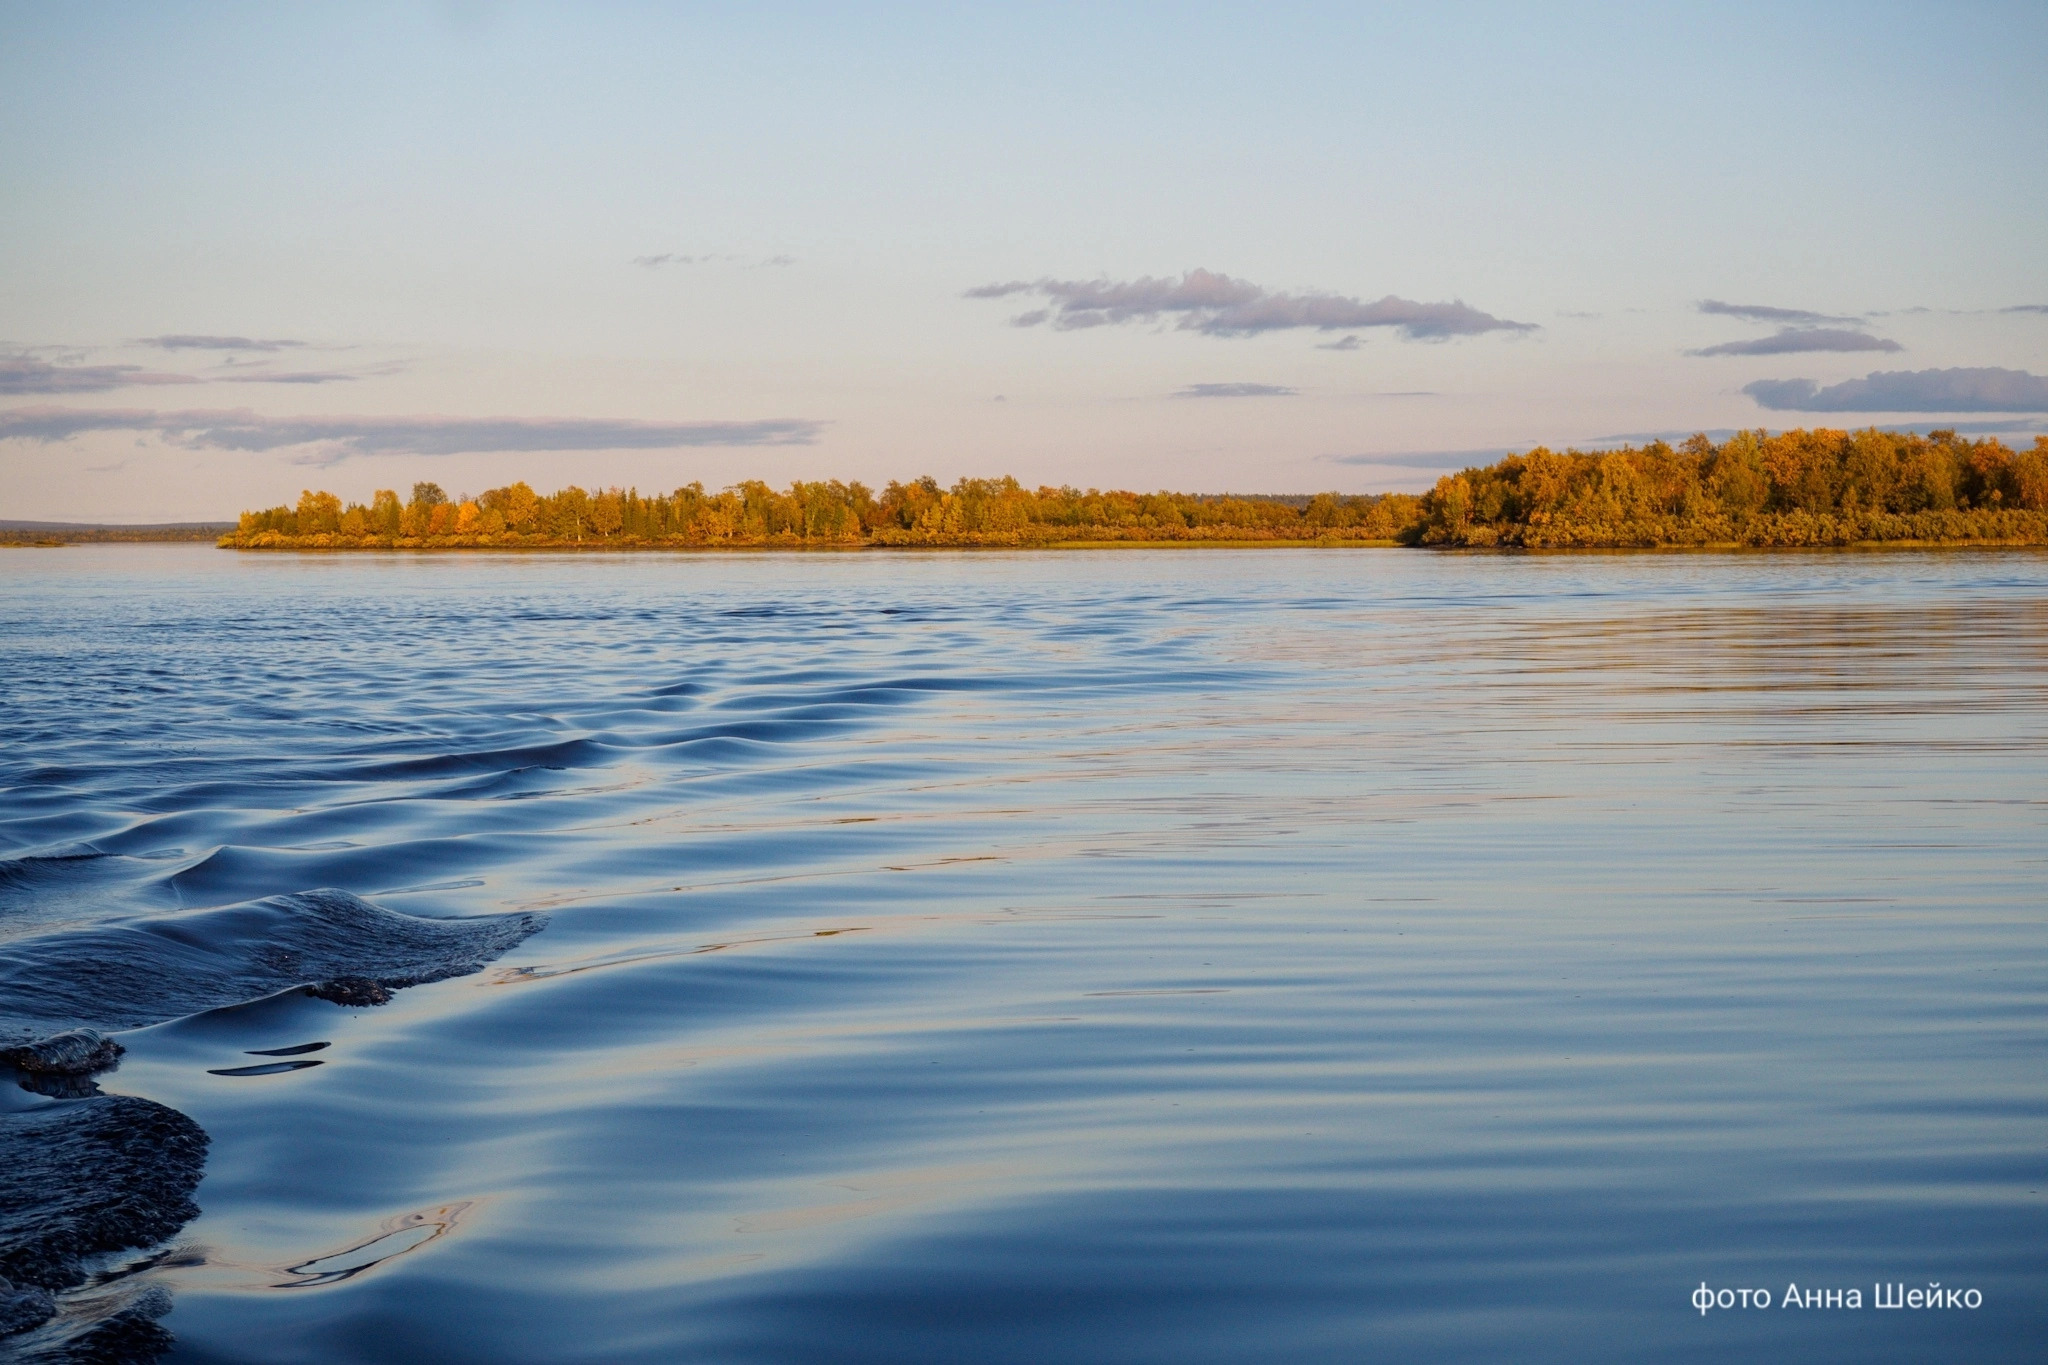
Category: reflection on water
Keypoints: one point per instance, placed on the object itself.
(264, 1068)
(1165, 956)
(406, 1233)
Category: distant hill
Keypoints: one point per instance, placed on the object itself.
(90, 532)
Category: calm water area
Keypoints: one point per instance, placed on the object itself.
(1123, 956)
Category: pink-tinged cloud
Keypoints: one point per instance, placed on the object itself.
(193, 341)
(1799, 340)
(329, 440)
(25, 374)
(1764, 312)
(1958, 390)
(1218, 305)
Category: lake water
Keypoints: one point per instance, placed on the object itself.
(1123, 956)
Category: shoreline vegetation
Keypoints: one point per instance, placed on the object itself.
(1795, 489)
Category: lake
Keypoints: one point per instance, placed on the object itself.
(1118, 956)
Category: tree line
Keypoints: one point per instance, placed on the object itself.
(991, 512)
(1820, 487)
(1817, 487)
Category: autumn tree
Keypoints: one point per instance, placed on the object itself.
(318, 513)
(386, 514)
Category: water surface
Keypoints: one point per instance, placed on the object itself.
(1147, 956)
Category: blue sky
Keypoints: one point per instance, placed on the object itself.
(250, 248)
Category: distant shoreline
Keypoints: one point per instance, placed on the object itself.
(1055, 546)
(310, 545)
(49, 534)
(1084, 546)
(1796, 489)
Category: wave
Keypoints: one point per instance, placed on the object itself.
(95, 1174)
(148, 970)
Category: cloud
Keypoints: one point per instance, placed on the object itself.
(1791, 340)
(1426, 459)
(25, 374)
(185, 341)
(292, 377)
(1350, 343)
(2026, 308)
(1759, 312)
(1958, 390)
(677, 258)
(331, 440)
(1217, 305)
(2005, 426)
(1236, 391)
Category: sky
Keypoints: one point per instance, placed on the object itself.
(250, 249)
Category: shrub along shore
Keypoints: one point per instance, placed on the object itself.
(1797, 488)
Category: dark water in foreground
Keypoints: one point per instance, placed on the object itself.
(1153, 956)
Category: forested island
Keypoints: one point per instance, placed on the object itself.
(1796, 488)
